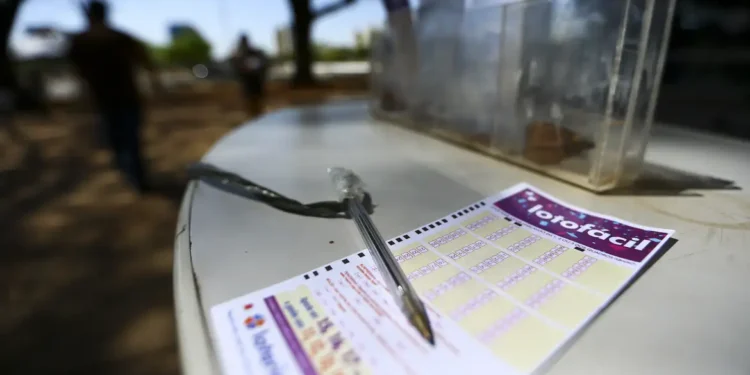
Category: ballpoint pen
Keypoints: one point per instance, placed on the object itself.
(351, 191)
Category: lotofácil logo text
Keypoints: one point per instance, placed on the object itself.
(590, 230)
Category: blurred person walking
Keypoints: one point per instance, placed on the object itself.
(108, 61)
(250, 65)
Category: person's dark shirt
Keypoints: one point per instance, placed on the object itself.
(250, 63)
(108, 61)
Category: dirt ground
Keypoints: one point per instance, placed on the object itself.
(86, 263)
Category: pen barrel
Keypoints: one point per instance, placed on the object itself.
(394, 278)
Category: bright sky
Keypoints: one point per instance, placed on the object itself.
(219, 21)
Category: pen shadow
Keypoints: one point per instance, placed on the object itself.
(573, 340)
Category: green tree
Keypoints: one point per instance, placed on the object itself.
(159, 54)
(332, 53)
(341, 53)
(361, 53)
(188, 48)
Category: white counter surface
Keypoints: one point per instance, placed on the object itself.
(688, 314)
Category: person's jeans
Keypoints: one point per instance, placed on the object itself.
(253, 87)
(122, 130)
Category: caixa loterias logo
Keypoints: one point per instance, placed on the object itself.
(255, 323)
(265, 350)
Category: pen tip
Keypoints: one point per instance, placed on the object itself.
(422, 324)
(429, 336)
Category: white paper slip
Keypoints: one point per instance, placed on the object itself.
(508, 281)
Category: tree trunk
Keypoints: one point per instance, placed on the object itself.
(303, 49)
(8, 10)
(8, 80)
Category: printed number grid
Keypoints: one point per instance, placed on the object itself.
(476, 306)
(541, 291)
(508, 257)
(547, 293)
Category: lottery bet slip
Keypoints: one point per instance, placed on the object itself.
(508, 282)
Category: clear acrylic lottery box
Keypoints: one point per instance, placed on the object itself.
(564, 87)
